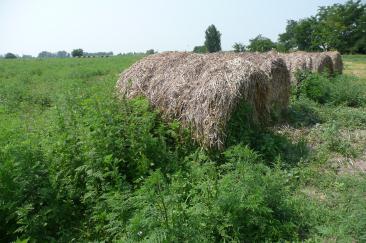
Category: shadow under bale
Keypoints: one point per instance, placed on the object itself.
(203, 91)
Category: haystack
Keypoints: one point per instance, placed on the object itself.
(200, 90)
(337, 61)
(316, 62)
(321, 62)
(295, 62)
(276, 70)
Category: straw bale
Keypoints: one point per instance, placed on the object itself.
(337, 61)
(316, 62)
(276, 70)
(200, 90)
(321, 62)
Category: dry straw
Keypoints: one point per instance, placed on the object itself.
(337, 61)
(203, 90)
(316, 62)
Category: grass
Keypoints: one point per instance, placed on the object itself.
(77, 164)
(355, 65)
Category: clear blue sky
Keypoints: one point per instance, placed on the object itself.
(31, 26)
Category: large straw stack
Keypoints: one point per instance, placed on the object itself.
(276, 70)
(337, 61)
(297, 61)
(201, 90)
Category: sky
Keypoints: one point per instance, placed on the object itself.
(32, 26)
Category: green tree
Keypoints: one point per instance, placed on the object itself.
(239, 47)
(77, 53)
(261, 44)
(343, 26)
(339, 26)
(62, 54)
(200, 49)
(300, 35)
(10, 56)
(150, 52)
(46, 54)
(213, 39)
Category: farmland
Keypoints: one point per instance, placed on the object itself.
(79, 164)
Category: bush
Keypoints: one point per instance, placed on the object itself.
(117, 172)
(348, 91)
(260, 44)
(77, 53)
(150, 52)
(10, 56)
(242, 200)
(200, 49)
(316, 87)
(239, 47)
(338, 90)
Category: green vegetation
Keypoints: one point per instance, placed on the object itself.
(239, 47)
(10, 56)
(212, 39)
(79, 164)
(260, 44)
(200, 49)
(150, 52)
(340, 27)
(339, 90)
(77, 53)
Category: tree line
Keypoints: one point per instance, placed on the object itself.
(339, 27)
(75, 53)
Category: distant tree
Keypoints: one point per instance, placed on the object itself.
(239, 47)
(300, 35)
(46, 54)
(287, 39)
(200, 49)
(62, 54)
(213, 39)
(150, 52)
(340, 26)
(27, 56)
(261, 44)
(77, 52)
(10, 56)
(280, 47)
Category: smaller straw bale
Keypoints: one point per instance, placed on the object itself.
(316, 62)
(321, 62)
(337, 61)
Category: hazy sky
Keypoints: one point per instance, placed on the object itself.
(31, 26)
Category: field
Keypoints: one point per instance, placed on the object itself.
(78, 164)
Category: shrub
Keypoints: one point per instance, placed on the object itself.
(239, 47)
(200, 49)
(349, 91)
(260, 44)
(77, 52)
(10, 56)
(242, 200)
(316, 87)
(338, 90)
